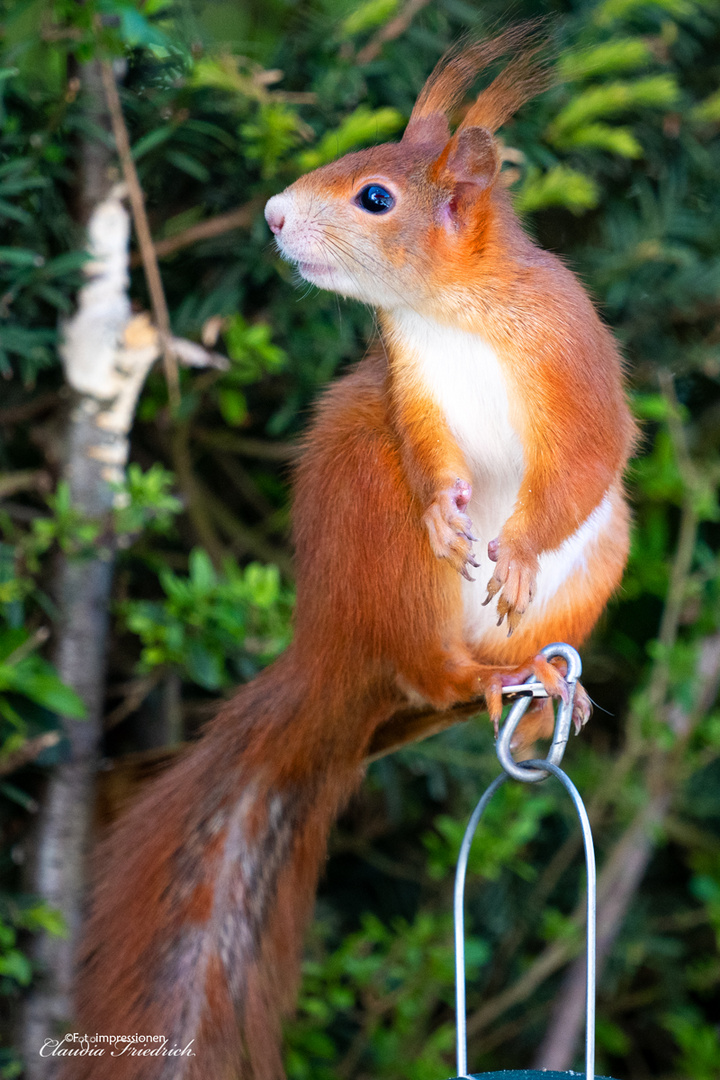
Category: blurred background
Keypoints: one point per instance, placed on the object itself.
(181, 572)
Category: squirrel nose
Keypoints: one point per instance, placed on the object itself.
(275, 214)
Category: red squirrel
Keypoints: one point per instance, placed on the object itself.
(458, 505)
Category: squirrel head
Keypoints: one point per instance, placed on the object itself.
(403, 224)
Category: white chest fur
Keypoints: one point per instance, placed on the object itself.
(464, 377)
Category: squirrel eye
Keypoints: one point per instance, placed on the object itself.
(375, 199)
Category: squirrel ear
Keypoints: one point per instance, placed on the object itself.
(473, 157)
(429, 131)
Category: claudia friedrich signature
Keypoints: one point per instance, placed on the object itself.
(75, 1045)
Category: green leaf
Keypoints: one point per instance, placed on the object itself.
(362, 126)
(204, 667)
(20, 257)
(559, 186)
(15, 213)
(189, 165)
(651, 406)
(613, 10)
(135, 29)
(202, 572)
(15, 965)
(36, 679)
(620, 54)
(233, 406)
(17, 795)
(655, 91)
(707, 111)
(368, 15)
(41, 917)
(616, 140)
(11, 639)
(152, 139)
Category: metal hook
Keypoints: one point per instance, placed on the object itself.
(563, 720)
(529, 772)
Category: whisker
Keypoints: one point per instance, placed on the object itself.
(417, 265)
(340, 248)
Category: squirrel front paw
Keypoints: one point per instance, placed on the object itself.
(449, 527)
(515, 577)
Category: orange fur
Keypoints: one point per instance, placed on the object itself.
(204, 887)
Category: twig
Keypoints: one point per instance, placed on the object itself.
(18, 414)
(135, 693)
(243, 482)
(240, 218)
(31, 749)
(549, 961)
(390, 31)
(262, 449)
(28, 646)
(24, 480)
(247, 540)
(142, 229)
(190, 487)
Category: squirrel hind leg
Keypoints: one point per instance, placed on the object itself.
(539, 720)
(444, 678)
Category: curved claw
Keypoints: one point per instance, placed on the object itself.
(493, 588)
(582, 708)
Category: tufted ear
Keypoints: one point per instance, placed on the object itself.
(473, 158)
(431, 131)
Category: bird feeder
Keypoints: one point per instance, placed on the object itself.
(530, 772)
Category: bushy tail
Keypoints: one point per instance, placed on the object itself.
(204, 889)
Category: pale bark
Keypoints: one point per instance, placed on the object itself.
(106, 379)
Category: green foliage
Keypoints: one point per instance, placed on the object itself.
(619, 54)
(658, 91)
(384, 982)
(254, 355)
(145, 501)
(363, 125)
(699, 1045)
(216, 628)
(65, 526)
(23, 672)
(367, 16)
(559, 186)
(508, 823)
(17, 915)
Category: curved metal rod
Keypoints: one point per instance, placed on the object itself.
(459, 915)
(563, 720)
(591, 907)
(461, 1018)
